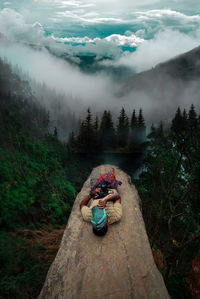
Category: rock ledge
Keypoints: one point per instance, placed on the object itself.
(118, 265)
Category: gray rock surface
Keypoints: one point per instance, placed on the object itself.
(119, 265)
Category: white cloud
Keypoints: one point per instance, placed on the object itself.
(165, 45)
(76, 16)
(67, 4)
(13, 25)
(120, 40)
(58, 74)
(96, 91)
(123, 40)
(163, 14)
(117, 11)
(26, 25)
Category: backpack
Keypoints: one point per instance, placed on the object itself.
(107, 178)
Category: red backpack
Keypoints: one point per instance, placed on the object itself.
(108, 177)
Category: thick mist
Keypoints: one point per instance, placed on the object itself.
(99, 91)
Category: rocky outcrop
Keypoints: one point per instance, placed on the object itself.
(118, 265)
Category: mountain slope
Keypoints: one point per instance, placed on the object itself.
(169, 79)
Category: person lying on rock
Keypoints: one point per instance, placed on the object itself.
(104, 209)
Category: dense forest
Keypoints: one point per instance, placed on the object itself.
(169, 190)
(39, 180)
(95, 136)
(40, 177)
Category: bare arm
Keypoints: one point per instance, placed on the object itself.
(85, 201)
(113, 197)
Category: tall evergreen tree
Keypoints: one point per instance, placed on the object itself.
(133, 132)
(96, 135)
(123, 129)
(192, 119)
(88, 120)
(103, 123)
(134, 121)
(96, 124)
(184, 121)
(141, 127)
(177, 122)
(86, 137)
(111, 131)
(141, 119)
(107, 132)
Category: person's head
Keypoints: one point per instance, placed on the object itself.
(99, 221)
(101, 232)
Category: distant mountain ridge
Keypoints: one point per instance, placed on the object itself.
(184, 67)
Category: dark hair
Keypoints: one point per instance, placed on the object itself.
(100, 232)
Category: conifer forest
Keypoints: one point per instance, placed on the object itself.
(41, 173)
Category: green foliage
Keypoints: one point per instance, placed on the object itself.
(33, 183)
(169, 191)
(21, 274)
(86, 140)
(176, 285)
(39, 180)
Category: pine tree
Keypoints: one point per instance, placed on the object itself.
(134, 121)
(133, 132)
(184, 121)
(141, 127)
(86, 141)
(176, 126)
(103, 124)
(179, 128)
(107, 132)
(192, 119)
(141, 119)
(96, 137)
(111, 131)
(96, 124)
(123, 129)
(88, 120)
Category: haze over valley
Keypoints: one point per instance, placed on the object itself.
(102, 58)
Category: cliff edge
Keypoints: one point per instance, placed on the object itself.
(118, 265)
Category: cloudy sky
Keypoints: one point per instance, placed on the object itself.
(136, 34)
(103, 27)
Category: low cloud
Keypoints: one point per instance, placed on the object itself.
(14, 27)
(165, 45)
(89, 90)
(98, 90)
